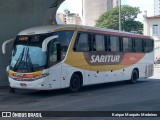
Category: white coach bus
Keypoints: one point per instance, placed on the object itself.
(70, 56)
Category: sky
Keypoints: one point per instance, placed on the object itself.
(75, 6)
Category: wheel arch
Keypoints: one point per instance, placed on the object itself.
(137, 71)
(79, 73)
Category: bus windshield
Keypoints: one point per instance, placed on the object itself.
(27, 55)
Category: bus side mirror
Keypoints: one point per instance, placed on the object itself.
(59, 53)
(5, 44)
(7, 69)
(46, 41)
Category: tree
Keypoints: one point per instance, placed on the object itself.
(110, 19)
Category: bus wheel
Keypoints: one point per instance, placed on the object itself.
(134, 77)
(75, 83)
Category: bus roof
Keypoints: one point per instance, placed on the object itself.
(43, 29)
(52, 28)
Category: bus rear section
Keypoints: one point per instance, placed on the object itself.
(109, 56)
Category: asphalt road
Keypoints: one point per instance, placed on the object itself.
(119, 96)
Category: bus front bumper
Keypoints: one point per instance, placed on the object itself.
(39, 84)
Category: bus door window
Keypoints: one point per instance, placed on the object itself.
(98, 43)
(53, 52)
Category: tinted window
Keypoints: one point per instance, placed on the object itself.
(82, 42)
(64, 38)
(114, 44)
(138, 45)
(148, 45)
(53, 52)
(27, 55)
(127, 44)
(98, 43)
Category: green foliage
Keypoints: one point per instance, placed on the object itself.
(110, 19)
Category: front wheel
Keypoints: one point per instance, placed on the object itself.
(134, 77)
(75, 83)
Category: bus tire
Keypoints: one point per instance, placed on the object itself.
(134, 76)
(75, 83)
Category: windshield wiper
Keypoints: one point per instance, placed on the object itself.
(28, 62)
(19, 60)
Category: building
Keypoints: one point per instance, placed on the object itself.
(70, 18)
(62, 17)
(115, 3)
(93, 9)
(152, 28)
(73, 19)
(156, 7)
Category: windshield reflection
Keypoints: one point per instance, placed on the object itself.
(27, 55)
(28, 58)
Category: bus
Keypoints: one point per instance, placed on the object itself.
(72, 56)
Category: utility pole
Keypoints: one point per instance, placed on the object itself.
(82, 12)
(120, 27)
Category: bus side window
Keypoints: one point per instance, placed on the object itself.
(82, 42)
(114, 44)
(64, 38)
(138, 45)
(149, 45)
(127, 44)
(98, 43)
(130, 45)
